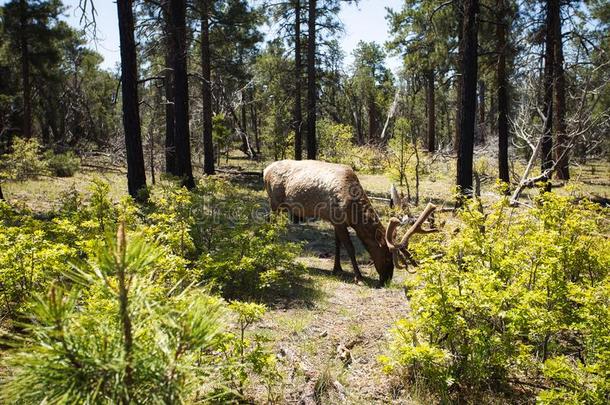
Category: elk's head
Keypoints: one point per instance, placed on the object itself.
(399, 249)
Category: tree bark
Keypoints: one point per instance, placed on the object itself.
(25, 71)
(547, 137)
(468, 97)
(311, 81)
(481, 107)
(170, 147)
(136, 175)
(562, 171)
(431, 110)
(460, 78)
(502, 84)
(298, 113)
(206, 90)
(182, 137)
(372, 113)
(254, 119)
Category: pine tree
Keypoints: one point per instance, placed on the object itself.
(182, 137)
(312, 94)
(562, 170)
(502, 28)
(298, 72)
(136, 175)
(33, 31)
(206, 88)
(468, 97)
(424, 34)
(549, 74)
(168, 84)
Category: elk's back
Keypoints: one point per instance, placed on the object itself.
(310, 188)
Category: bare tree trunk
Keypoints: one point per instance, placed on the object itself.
(481, 106)
(298, 113)
(503, 100)
(562, 170)
(359, 131)
(372, 112)
(25, 71)
(547, 137)
(468, 97)
(136, 175)
(206, 90)
(182, 136)
(254, 119)
(311, 81)
(460, 77)
(170, 147)
(431, 110)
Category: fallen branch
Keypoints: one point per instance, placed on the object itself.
(240, 173)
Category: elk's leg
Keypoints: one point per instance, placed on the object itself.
(343, 234)
(337, 267)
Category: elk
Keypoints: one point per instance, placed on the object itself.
(332, 192)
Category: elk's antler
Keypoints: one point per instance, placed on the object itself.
(401, 254)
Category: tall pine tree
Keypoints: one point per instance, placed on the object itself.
(136, 175)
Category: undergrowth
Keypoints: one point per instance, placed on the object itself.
(518, 300)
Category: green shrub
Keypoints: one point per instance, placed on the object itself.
(335, 145)
(31, 258)
(63, 164)
(517, 296)
(243, 355)
(113, 336)
(217, 235)
(24, 161)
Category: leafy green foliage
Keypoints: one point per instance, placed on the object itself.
(217, 235)
(398, 167)
(63, 164)
(335, 145)
(220, 237)
(24, 161)
(244, 354)
(516, 295)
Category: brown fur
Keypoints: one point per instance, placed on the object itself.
(331, 192)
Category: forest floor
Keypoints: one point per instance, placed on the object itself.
(327, 332)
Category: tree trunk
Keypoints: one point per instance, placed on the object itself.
(359, 131)
(298, 113)
(503, 100)
(254, 119)
(562, 170)
(136, 175)
(431, 110)
(25, 71)
(182, 137)
(372, 113)
(170, 147)
(242, 129)
(311, 81)
(460, 78)
(547, 137)
(468, 97)
(481, 107)
(206, 90)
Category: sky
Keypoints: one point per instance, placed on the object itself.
(365, 21)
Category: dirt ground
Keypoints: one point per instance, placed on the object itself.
(329, 333)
